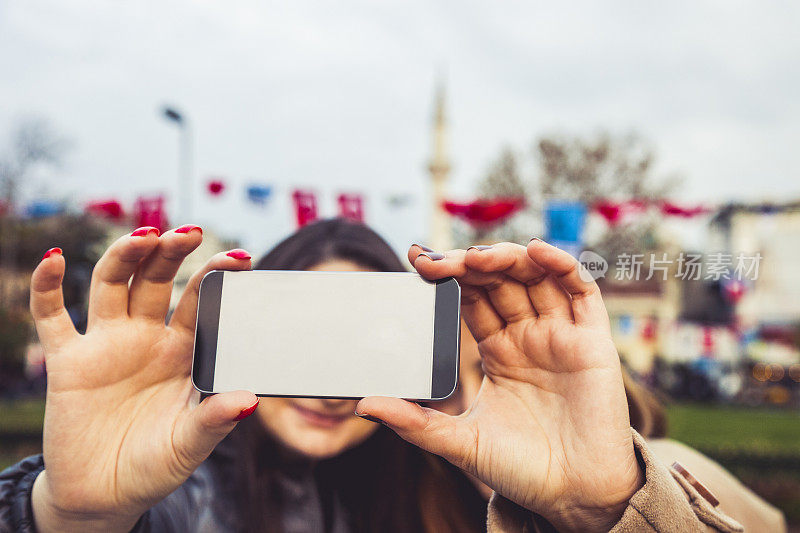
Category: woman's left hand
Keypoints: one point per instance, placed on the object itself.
(549, 428)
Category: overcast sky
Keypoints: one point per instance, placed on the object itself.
(338, 95)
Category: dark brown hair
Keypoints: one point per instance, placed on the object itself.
(384, 484)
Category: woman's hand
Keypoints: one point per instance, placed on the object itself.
(122, 426)
(549, 428)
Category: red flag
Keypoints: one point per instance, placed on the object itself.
(669, 208)
(615, 212)
(485, 212)
(305, 206)
(351, 206)
(150, 212)
(708, 341)
(216, 187)
(110, 209)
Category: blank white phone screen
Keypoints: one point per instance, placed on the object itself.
(326, 334)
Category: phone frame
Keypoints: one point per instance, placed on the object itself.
(446, 348)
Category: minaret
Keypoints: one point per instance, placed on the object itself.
(441, 237)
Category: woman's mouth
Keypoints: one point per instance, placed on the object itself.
(320, 419)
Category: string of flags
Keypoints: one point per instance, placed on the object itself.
(146, 211)
(615, 213)
(349, 205)
(151, 211)
(489, 212)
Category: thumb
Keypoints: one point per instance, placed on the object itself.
(448, 436)
(199, 431)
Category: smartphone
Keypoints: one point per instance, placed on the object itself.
(327, 334)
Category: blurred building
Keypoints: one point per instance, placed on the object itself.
(773, 232)
(723, 335)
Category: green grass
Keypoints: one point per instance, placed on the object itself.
(20, 429)
(740, 429)
(21, 416)
(746, 429)
(760, 446)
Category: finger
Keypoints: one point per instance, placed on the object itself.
(52, 321)
(508, 294)
(151, 288)
(476, 308)
(587, 303)
(198, 432)
(510, 260)
(108, 295)
(448, 436)
(185, 315)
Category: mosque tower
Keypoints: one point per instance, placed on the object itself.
(440, 237)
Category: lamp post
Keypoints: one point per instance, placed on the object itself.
(185, 182)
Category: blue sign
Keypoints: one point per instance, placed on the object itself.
(564, 223)
(259, 194)
(43, 208)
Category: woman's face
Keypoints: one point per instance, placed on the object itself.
(314, 427)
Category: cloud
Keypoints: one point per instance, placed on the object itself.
(338, 96)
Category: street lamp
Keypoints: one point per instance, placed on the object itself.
(185, 185)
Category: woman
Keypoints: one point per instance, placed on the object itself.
(549, 429)
(415, 491)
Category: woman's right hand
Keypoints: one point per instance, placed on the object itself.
(122, 427)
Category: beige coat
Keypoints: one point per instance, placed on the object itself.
(669, 500)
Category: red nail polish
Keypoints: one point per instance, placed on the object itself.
(141, 232)
(239, 254)
(52, 251)
(189, 227)
(244, 413)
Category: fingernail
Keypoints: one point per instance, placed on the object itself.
(146, 230)
(371, 419)
(52, 251)
(239, 254)
(424, 248)
(244, 413)
(535, 239)
(189, 227)
(433, 256)
(481, 247)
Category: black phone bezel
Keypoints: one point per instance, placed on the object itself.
(204, 356)
(446, 346)
(446, 339)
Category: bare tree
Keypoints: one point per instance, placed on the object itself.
(586, 170)
(33, 143)
(581, 169)
(504, 177)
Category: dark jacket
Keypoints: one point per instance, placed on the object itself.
(206, 502)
